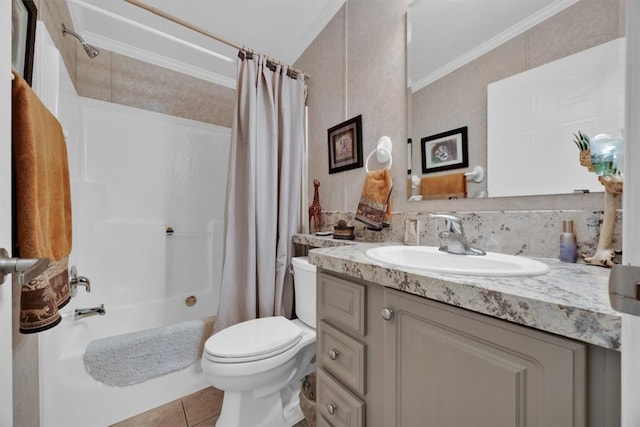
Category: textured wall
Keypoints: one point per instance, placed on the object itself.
(357, 66)
(123, 80)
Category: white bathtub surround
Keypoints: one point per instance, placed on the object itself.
(135, 357)
(263, 196)
(133, 174)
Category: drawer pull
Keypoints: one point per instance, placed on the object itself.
(332, 408)
(333, 354)
(386, 313)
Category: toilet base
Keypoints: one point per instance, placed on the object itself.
(281, 409)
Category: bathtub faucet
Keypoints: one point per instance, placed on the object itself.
(75, 281)
(80, 313)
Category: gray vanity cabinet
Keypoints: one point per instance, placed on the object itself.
(349, 352)
(449, 366)
(389, 358)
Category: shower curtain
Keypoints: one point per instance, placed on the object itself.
(263, 192)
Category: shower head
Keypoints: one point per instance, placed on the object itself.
(91, 51)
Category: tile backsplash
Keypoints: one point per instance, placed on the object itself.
(534, 233)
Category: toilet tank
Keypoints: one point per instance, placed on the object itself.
(304, 282)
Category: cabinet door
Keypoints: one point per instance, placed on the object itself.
(448, 366)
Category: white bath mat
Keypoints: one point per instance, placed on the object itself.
(132, 358)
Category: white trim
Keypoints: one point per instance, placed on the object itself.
(492, 43)
(304, 193)
(6, 347)
(76, 9)
(159, 33)
(630, 371)
(327, 13)
(159, 60)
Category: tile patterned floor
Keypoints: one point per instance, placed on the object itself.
(200, 409)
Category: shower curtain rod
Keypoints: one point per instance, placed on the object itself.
(204, 32)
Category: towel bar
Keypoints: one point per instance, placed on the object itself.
(476, 175)
(382, 151)
(27, 268)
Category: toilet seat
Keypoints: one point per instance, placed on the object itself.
(253, 340)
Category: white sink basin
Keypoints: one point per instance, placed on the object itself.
(430, 258)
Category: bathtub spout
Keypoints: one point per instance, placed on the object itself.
(80, 313)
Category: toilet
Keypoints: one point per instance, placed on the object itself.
(259, 364)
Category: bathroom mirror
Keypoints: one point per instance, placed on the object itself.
(457, 49)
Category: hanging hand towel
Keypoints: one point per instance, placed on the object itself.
(450, 186)
(43, 206)
(374, 208)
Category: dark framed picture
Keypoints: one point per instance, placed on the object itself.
(23, 36)
(345, 145)
(444, 151)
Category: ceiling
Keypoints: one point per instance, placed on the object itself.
(446, 34)
(281, 29)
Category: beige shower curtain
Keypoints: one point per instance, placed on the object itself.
(263, 192)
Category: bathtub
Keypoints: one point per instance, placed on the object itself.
(70, 397)
(149, 286)
(144, 276)
(148, 206)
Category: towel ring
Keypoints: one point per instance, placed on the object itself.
(366, 165)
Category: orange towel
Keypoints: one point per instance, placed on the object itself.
(449, 186)
(43, 206)
(374, 208)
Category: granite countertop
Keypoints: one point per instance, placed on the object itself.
(572, 300)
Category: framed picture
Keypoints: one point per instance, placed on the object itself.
(345, 145)
(444, 151)
(23, 36)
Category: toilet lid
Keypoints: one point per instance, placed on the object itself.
(253, 340)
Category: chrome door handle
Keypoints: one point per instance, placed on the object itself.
(26, 267)
(333, 354)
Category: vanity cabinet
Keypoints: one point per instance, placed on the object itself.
(389, 358)
(449, 366)
(348, 352)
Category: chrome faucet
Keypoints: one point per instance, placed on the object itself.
(456, 241)
(75, 281)
(80, 313)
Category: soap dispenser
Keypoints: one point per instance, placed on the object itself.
(568, 247)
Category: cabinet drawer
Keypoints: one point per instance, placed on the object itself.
(342, 356)
(343, 302)
(337, 405)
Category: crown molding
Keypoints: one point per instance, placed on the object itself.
(493, 42)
